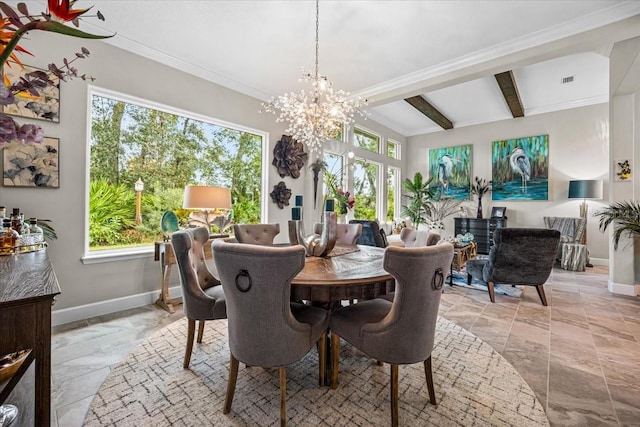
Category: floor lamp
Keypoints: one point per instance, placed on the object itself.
(206, 199)
(585, 189)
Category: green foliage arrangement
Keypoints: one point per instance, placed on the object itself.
(417, 193)
(626, 219)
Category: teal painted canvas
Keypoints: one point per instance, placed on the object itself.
(520, 168)
(451, 169)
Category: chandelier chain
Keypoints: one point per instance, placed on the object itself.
(319, 115)
(317, 39)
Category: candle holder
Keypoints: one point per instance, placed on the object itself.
(319, 245)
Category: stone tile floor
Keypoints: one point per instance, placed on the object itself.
(581, 355)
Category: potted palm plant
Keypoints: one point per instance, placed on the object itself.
(417, 192)
(626, 216)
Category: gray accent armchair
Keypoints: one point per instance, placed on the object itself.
(347, 234)
(519, 256)
(202, 296)
(402, 331)
(256, 234)
(265, 328)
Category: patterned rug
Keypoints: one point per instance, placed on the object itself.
(474, 386)
(460, 279)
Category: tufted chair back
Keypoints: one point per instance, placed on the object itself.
(413, 238)
(256, 234)
(347, 234)
(402, 331)
(202, 296)
(265, 328)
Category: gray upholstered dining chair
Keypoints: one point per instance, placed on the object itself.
(256, 234)
(403, 331)
(519, 256)
(265, 328)
(202, 296)
(371, 234)
(347, 234)
(413, 238)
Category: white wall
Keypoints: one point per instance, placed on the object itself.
(624, 89)
(120, 71)
(578, 149)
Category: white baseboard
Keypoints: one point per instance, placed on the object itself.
(624, 289)
(599, 261)
(81, 312)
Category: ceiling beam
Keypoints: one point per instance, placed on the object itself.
(509, 89)
(419, 103)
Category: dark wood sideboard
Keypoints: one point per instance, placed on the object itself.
(28, 286)
(482, 230)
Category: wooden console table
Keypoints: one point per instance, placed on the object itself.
(28, 286)
(164, 253)
(462, 254)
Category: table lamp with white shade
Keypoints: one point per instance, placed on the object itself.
(206, 199)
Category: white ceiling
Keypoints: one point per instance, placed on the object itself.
(382, 50)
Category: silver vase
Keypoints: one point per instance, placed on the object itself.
(315, 244)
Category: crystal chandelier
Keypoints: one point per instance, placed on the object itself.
(317, 115)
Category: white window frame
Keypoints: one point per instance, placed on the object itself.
(398, 146)
(372, 133)
(397, 196)
(381, 194)
(92, 257)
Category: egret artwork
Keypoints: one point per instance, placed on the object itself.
(451, 169)
(520, 168)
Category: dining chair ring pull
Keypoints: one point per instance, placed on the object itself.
(438, 279)
(243, 288)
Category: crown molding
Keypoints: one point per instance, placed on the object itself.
(188, 67)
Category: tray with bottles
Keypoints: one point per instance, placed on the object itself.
(23, 245)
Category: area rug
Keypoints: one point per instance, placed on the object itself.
(474, 386)
(460, 279)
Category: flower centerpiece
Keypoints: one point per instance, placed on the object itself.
(479, 187)
(14, 24)
(345, 201)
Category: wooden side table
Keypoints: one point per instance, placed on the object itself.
(164, 253)
(462, 254)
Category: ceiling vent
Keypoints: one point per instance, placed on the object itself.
(567, 79)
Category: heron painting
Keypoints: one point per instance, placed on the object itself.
(520, 168)
(451, 169)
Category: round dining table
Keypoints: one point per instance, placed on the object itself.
(350, 272)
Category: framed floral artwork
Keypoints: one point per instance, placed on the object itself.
(45, 106)
(32, 165)
(623, 170)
